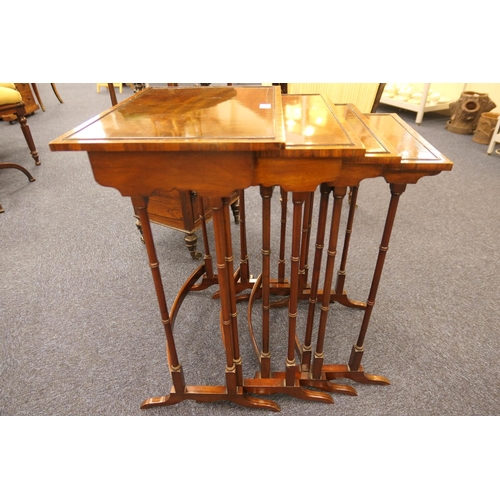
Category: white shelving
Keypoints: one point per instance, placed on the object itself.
(495, 139)
(423, 107)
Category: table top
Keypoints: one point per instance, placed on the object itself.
(184, 119)
(254, 136)
(386, 134)
(314, 127)
(247, 118)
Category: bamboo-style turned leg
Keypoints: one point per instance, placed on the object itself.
(209, 278)
(353, 370)
(244, 266)
(298, 202)
(205, 271)
(304, 245)
(209, 272)
(290, 381)
(233, 390)
(338, 196)
(228, 257)
(340, 294)
(225, 299)
(265, 356)
(357, 351)
(223, 249)
(325, 190)
(140, 205)
(281, 285)
(281, 261)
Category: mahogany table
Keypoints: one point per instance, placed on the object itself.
(218, 140)
(178, 209)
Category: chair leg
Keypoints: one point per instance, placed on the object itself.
(53, 85)
(17, 167)
(21, 118)
(39, 99)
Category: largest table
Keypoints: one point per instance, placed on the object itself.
(217, 140)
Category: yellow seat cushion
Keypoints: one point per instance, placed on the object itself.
(9, 96)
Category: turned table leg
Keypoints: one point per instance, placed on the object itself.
(241, 220)
(281, 261)
(338, 196)
(325, 190)
(227, 323)
(140, 205)
(340, 295)
(265, 355)
(357, 350)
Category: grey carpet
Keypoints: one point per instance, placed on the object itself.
(79, 326)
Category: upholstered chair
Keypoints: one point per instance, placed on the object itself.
(11, 103)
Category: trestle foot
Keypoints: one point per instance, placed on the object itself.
(333, 372)
(277, 385)
(344, 300)
(326, 385)
(304, 380)
(210, 394)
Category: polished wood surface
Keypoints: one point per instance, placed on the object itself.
(411, 146)
(178, 209)
(184, 119)
(216, 141)
(311, 124)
